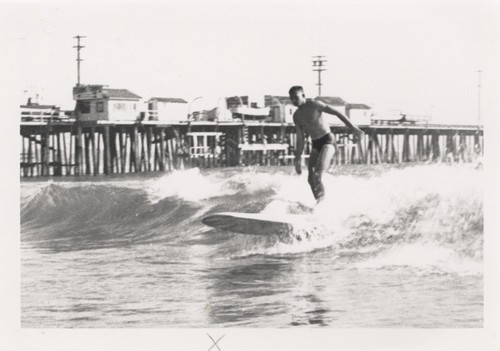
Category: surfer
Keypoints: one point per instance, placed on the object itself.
(309, 119)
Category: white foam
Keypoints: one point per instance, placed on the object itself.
(291, 246)
(427, 257)
(438, 203)
(276, 207)
(381, 198)
(189, 185)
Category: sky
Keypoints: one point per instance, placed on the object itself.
(418, 57)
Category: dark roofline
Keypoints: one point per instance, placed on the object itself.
(358, 106)
(164, 99)
(45, 107)
(120, 94)
(331, 100)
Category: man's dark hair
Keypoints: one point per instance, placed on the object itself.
(294, 89)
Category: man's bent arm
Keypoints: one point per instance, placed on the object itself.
(328, 109)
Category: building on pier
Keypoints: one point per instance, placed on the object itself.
(359, 114)
(167, 109)
(282, 108)
(100, 103)
(251, 101)
(250, 113)
(34, 112)
(248, 108)
(397, 117)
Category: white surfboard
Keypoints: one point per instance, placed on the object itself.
(257, 223)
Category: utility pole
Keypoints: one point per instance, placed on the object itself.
(78, 59)
(318, 64)
(479, 99)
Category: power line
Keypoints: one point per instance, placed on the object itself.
(78, 59)
(318, 65)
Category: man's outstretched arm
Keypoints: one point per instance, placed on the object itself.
(328, 109)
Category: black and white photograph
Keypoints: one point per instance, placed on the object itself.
(251, 174)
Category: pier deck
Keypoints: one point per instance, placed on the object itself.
(103, 147)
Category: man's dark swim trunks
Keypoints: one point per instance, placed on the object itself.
(324, 140)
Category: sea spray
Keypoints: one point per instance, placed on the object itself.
(436, 204)
(189, 185)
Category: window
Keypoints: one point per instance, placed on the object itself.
(120, 106)
(99, 106)
(83, 106)
(211, 141)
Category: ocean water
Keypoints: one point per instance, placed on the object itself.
(392, 248)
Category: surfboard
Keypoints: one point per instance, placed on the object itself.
(257, 223)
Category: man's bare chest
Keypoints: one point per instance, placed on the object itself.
(309, 116)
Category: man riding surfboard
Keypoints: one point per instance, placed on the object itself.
(309, 119)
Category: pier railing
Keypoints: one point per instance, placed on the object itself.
(75, 149)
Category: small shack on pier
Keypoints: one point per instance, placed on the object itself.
(359, 114)
(167, 109)
(250, 113)
(282, 108)
(248, 108)
(252, 101)
(98, 102)
(33, 111)
(397, 117)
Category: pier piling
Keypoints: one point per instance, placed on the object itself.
(67, 149)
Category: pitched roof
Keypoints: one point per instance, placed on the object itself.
(40, 107)
(331, 100)
(357, 106)
(174, 100)
(119, 94)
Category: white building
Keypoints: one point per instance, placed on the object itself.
(282, 108)
(98, 102)
(167, 109)
(359, 114)
(41, 113)
(250, 101)
(248, 107)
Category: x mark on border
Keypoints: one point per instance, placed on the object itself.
(215, 342)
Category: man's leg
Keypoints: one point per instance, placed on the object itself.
(311, 166)
(323, 161)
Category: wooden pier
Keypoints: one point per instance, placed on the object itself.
(96, 148)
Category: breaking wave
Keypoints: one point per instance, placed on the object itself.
(427, 217)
